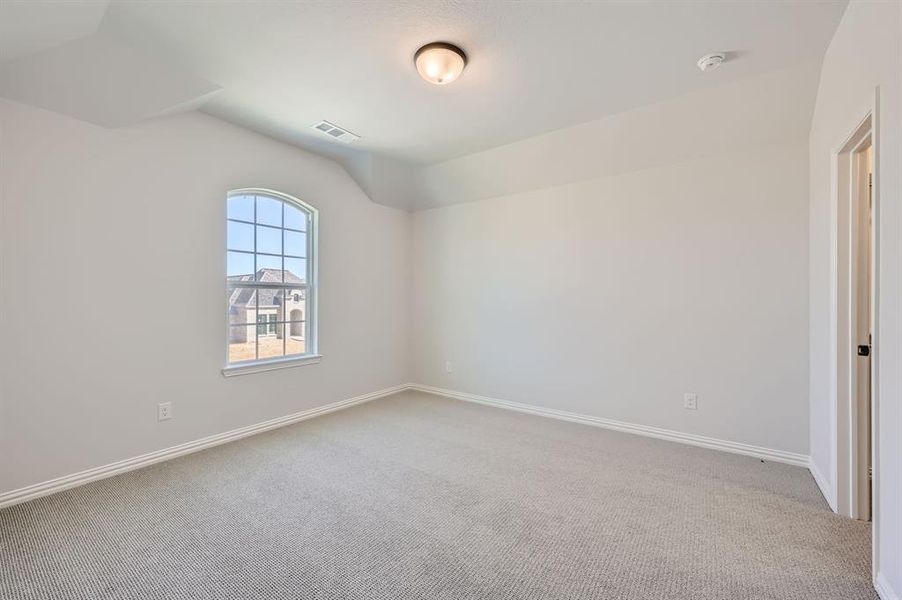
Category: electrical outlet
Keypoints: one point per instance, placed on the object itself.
(449, 368)
(164, 411)
(690, 401)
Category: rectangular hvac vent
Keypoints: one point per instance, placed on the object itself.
(336, 132)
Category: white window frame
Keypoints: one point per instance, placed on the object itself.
(311, 286)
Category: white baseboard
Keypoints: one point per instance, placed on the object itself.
(781, 456)
(76, 479)
(884, 590)
(827, 490)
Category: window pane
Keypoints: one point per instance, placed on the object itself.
(242, 305)
(271, 345)
(295, 270)
(269, 240)
(295, 243)
(295, 218)
(242, 343)
(240, 236)
(269, 211)
(269, 268)
(295, 343)
(241, 208)
(294, 303)
(239, 263)
(270, 303)
(262, 325)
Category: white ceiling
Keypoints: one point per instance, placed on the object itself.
(770, 108)
(535, 67)
(29, 26)
(98, 80)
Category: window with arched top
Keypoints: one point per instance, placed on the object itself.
(271, 269)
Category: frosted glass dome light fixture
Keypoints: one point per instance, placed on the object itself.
(440, 62)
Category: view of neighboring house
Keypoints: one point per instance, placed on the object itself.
(267, 310)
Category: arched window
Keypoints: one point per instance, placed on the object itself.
(271, 281)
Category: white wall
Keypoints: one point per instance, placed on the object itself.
(112, 239)
(729, 116)
(866, 52)
(613, 297)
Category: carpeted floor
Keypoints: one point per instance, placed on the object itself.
(416, 496)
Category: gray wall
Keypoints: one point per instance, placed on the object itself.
(613, 297)
(110, 237)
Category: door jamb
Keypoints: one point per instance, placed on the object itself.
(845, 430)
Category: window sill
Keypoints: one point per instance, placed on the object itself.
(271, 365)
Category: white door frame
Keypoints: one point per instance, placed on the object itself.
(843, 275)
(862, 279)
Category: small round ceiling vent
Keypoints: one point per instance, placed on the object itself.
(709, 62)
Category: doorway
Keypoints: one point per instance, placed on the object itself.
(855, 284)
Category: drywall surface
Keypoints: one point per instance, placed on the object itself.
(614, 297)
(863, 60)
(765, 109)
(113, 288)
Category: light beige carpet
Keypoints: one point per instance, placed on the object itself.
(417, 496)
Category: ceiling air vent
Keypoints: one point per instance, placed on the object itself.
(335, 132)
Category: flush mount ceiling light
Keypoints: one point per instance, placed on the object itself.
(440, 62)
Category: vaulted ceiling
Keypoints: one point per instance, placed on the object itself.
(544, 78)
